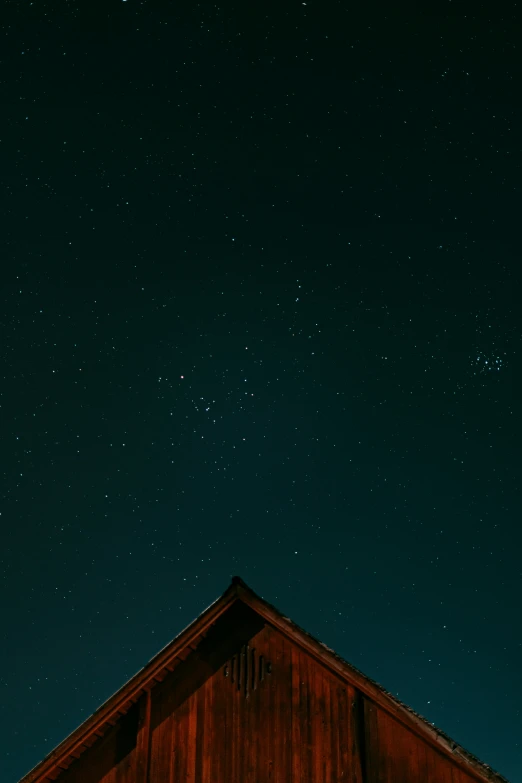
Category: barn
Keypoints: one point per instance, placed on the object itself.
(243, 695)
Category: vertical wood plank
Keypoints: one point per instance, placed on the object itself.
(423, 766)
(249, 723)
(190, 774)
(270, 725)
(431, 766)
(261, 713)
(169, 743)
(327, 740)
(400, 742)
(371, 742)
(227, 728)
(199, 710)
(356, 732)
(176, 747)
(285, 708)
(277, 683)
(317, 736)
(343, 708)
(412, 756)
(218, 729)
(183, 747)
(161, 738)
(306, 719)
(388, 749)
(207, 746)
(296, 716)
(334, 731)
(445, 770)
(234, 760)
(143, 739)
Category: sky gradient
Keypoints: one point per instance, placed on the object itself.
(260, 316)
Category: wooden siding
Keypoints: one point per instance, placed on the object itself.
(250, 706)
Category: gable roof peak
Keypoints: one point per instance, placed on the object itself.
(167, 660)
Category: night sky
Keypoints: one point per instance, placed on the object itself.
(259, 315)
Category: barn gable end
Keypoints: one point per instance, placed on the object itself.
(243, 695)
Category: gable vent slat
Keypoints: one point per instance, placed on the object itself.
(246, 670)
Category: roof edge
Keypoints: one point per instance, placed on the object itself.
(408, 717)
(144, 679)
(138, 682)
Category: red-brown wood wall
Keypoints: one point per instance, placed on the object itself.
(298, 724)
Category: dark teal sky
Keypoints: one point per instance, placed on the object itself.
(259, 316)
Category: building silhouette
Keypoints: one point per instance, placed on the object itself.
(243, 695)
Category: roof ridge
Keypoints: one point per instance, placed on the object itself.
(163, 662)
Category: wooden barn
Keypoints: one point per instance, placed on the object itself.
(243, 695)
